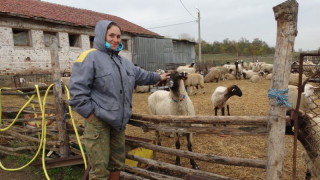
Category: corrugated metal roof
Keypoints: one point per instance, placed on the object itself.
(64, 14)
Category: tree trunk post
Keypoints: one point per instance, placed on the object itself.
(286, 16)
(57, 90)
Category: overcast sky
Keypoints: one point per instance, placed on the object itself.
(219, 20)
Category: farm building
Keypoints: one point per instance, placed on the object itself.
(27, 26)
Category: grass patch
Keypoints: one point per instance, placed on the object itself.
(63, 173)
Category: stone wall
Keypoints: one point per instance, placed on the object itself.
(36, 58)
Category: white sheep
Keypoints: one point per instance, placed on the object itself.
(269, 77)
(213, 75)
(220, 98)
(174, 102)
(267, 68)
(194, 80)
(255, 79)
(247, 74)
(187, 68)
(306, 102)
(223, 71)
(294, 79)
(142, 89)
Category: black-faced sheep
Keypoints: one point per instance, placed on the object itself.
(174, 102)
(220, 98)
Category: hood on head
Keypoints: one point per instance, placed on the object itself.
(100, 35)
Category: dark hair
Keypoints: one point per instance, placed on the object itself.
(113, 24)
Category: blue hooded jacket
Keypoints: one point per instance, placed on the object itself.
(102, 82)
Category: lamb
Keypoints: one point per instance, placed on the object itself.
(174, 102)
(188, 68)
(194, 80)
(220, 98)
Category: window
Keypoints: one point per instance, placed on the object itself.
(74, 40)
(125, 44)
(47, 37)
(21, 37)
(91, 41)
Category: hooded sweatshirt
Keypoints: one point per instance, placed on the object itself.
(102, 82)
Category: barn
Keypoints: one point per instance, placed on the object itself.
(26, 27)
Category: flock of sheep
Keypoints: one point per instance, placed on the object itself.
(176, 101)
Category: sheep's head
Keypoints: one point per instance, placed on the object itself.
(174, 80)
(235, 90)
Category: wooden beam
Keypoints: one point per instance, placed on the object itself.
(286, 16)
(171, 167)
(234, 161)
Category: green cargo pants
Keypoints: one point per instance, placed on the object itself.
(105, 148)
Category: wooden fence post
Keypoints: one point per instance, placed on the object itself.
(57, 90)
(286, 17)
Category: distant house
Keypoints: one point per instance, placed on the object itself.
(27, 25)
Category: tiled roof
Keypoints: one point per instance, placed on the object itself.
(65, 14)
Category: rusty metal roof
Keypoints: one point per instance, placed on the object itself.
(39, 10)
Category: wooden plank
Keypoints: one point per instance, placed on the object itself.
(57, 91)
(149, 174)
(234, 161)
(171, 167)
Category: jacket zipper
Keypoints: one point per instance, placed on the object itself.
(121, 91)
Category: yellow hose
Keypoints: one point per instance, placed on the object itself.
(76, 131)
(44, 130)
(41, 142)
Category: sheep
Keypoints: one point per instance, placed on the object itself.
(188, 68)
(230, 76)
(223, 70)
(294, 79)
(238, 70)
(309, 127)
(174, 102)
(214, 74)
(142, 89)
(247, 74)
(266, 68)
(309, 136)
(194, 80)
(244, 65)
(269, 77)
(255, 78)
(220, 98)
(307, 102)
